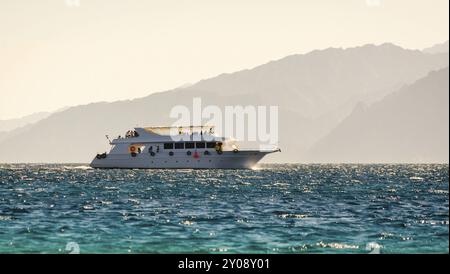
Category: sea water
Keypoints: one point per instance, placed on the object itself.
(272, 209)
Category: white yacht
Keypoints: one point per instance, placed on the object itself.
(177, 147)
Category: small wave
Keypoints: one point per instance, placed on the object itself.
(292, 216)
(219, 249)
(88, 207)
(134, 201)
(416, 178)
(5, 218)
(187, 222)
(111, 188)
(337, 245)
(433, 222)
(386, 235)
(438, 191)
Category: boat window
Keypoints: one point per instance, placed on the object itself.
(179, 145)
(189, 145)
(211, 144)
(200, 145)
(168, 145)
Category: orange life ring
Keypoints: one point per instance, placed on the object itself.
(133, 149)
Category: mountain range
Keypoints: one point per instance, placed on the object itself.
(317, 93)
(407, 126)
(11, 124)
(439, 48)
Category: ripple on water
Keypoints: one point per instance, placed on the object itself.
(273, 209)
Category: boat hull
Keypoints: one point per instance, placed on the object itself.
(226, 160)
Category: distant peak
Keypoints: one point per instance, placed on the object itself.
(438, 48)
(390, 45)
(386, 45)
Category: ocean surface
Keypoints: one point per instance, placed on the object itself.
(273, 209)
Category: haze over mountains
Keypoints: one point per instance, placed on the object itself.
(11, 124)
(7, 126)
(439, 48)
(410, 125)
(315, 92)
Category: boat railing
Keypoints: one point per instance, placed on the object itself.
(180, 130)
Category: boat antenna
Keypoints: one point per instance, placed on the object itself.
(107, 137)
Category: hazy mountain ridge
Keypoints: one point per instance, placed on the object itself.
(438, 48)
(329, 78)
(11, 124)
(408, 126)
(314, 91)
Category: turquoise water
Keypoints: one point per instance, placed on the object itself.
(275, 209)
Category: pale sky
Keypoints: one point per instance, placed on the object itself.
(57, 53)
